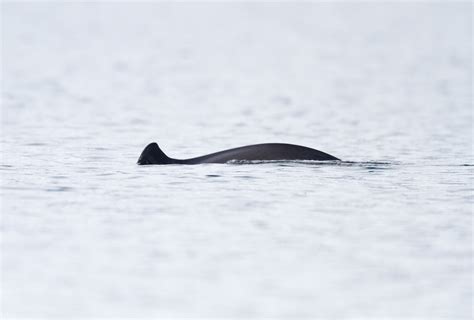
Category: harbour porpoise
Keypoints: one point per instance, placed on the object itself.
(152, 154)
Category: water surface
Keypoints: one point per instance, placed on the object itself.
(86, 232)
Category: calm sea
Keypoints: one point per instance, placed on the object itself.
(86, 233)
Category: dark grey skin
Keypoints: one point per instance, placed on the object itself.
(265, 152)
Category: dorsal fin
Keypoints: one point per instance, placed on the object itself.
(152, 154)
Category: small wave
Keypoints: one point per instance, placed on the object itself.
(372, 165)
(59, 189)
(35, 144)
(286, 162)
(289, 163)
(213, 176)
(59, 177)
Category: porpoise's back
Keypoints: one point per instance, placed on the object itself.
(152, 154)
(264, 152)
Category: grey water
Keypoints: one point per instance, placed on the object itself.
(87, 233)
